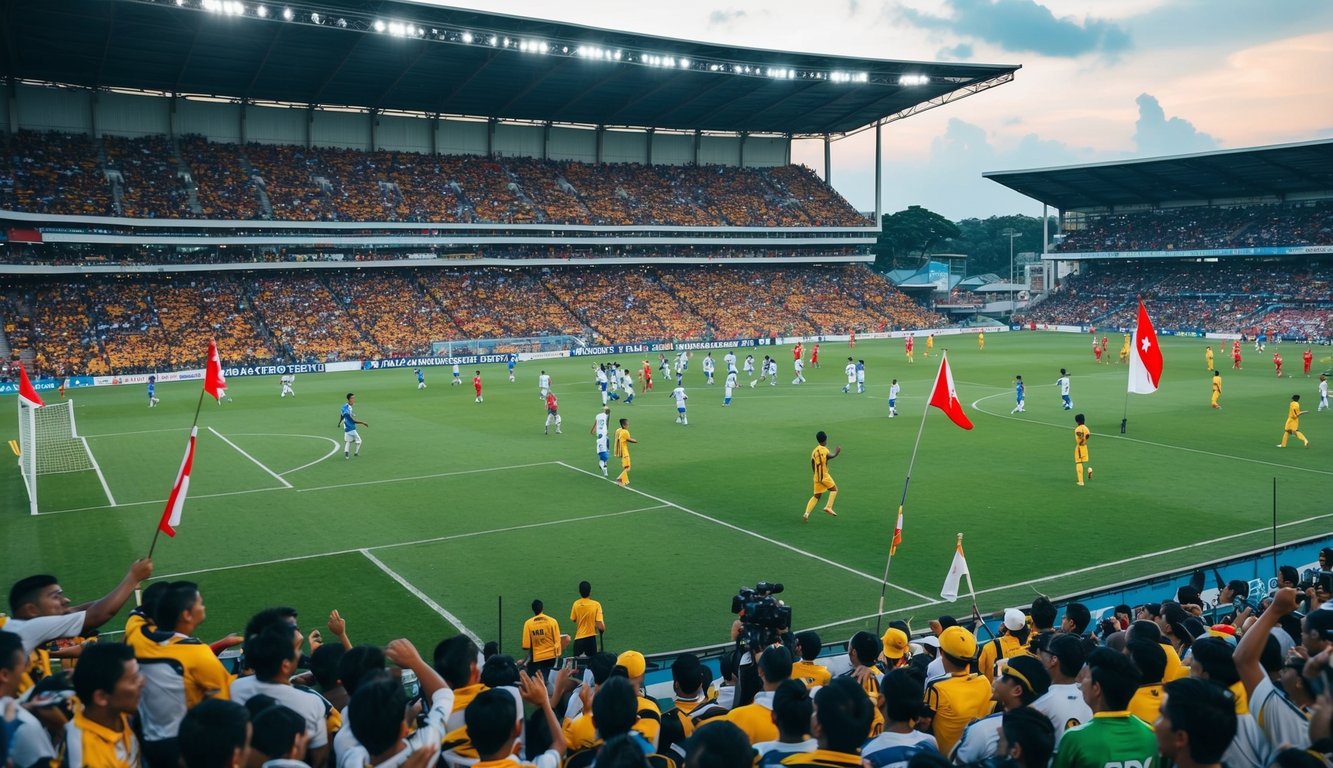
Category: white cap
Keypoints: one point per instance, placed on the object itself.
(1013, 619)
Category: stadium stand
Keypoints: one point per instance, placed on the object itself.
(1290, 298)
(58, 173)
(1200, 228)
(118, 325)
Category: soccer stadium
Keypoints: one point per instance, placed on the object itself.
(331, 328)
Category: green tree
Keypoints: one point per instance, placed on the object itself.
(909, 236)
(987, 248)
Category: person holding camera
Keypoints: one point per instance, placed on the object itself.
(756, 718)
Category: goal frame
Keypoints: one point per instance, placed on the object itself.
(30, 451)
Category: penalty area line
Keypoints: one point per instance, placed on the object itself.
(422, 596)
(747, 532)
(394, 545)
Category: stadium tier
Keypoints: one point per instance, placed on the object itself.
(157, 178)
(117, 325)
(1204, 228)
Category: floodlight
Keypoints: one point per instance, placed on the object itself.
(286, 12)
(379, 25)
(314, 18)
(262, 12)
(685, 63)
(342, 23)
(467, 37)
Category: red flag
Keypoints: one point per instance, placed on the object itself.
(897, 533)
(1145, 360)
(27, 392)
(215, 383)
(171, 516)
(945, 397)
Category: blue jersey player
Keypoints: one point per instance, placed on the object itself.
(513, 360)
(349, 423)
(1018, 395)
(421, 379)
(152, 388)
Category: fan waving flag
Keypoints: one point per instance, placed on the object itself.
(215, 383)
(1145, 358)
(945, 397)
(956, 573)
(27, 392)
(171, 516)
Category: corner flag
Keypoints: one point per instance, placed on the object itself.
(1145, 358)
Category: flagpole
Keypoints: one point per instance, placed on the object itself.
(197, 407)
(976, 612)
(902, 502)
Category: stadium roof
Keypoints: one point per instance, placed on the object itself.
(1276, 171)
(395, 55)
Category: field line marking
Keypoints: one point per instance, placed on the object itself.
(1149, 442)
(433, 540)
(426, 477)
(422, 596)
(747, 532)
(161, 501)
(288, 486)
(1053, 577)
(284, 434)
(257, 463)
(98, 469)
(141, 432)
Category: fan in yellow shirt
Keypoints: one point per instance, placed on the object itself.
(586, 614)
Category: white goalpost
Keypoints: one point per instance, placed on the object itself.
(49, 444)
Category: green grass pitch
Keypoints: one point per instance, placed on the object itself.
(454, 506)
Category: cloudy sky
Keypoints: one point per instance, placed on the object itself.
(1102, 80)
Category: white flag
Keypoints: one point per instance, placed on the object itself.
(956, 572)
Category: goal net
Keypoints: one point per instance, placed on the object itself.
(49, 444)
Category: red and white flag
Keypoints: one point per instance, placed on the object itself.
(171, 516)
(27, 392)
(957, 571)
(1145, 358)
(897, 533)
(215, 383)
(945, 397)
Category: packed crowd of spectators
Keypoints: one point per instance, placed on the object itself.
(1240, 680)
(1293, 299)
(151, 185)
(58, 173)
(1198, 228)
(117, 324)
(54, 173)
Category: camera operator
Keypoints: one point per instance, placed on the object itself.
(762, 621)
(1317, 584)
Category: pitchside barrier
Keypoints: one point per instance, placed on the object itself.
(498, 351)
(1258, 569)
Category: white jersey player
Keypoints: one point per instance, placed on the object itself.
(860, 376)
(893, 398)
(287, 382)
(729, 360)
(544, 383)
(599, 424)
(729, 386)
(458, 377)
(850, 370)
(1323, 392)
(708, 366)
(749, 366)
(798, 365)
(681, 397)
(772, 371)
(627, 384)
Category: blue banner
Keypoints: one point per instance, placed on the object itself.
(46, 385)
(422, 362)
(667, 346)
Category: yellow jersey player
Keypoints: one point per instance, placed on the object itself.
(623, 441)
(1124, 350)
(1208, 356)
(930, 344)
(981, 340)
(819, 459)
(1217, 388)
(1293, 425)
(1081, 436)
